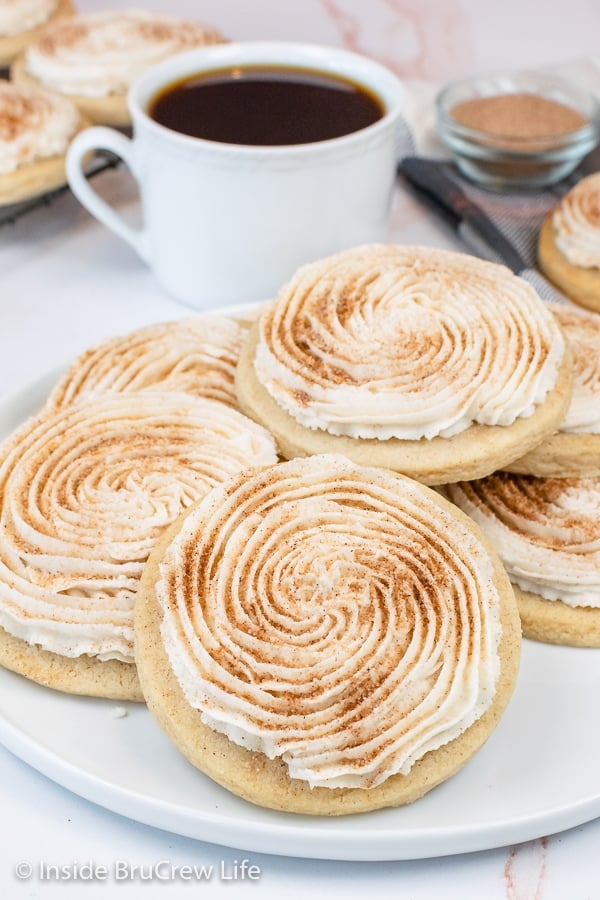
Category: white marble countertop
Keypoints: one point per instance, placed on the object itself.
(66, 283)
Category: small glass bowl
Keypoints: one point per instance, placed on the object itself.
(507, 163)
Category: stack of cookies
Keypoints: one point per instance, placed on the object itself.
(93, 58)
(257, 527)
(543, 512)
(67, 71)
(137, 430)
(329, 635)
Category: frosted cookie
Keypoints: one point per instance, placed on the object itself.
(197, 355)
(325, 638)
(22, 20)
(93, 58)
(547, 533)
(36, 128)
(575, 448)
(85, 494)
(432, 363)
(569, 244)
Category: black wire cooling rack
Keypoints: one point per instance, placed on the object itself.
(11, 213)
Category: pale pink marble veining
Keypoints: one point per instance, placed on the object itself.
(525, 870)
(415, 38)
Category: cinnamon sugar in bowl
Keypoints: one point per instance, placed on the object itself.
(517, 131)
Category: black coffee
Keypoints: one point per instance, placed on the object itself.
(265, 106)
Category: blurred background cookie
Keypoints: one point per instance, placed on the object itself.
(36, 127)
(94, 58)
(569, 244)
(22, 20)
(575, 448)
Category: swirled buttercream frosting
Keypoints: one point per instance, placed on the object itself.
(101, 53)
(333, 616)
(582, 330)
(197, 355)
(386, 341)
(17, 16)
(576, 222)
(545, 530)
(86, 492)
(34, 125)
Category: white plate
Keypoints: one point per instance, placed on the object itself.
(537, 774)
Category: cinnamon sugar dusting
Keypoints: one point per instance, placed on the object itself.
(546, 530)
(197, 355)
(407, 343)
(87, 491)
(64, 34)
(14, 118)
(96, 54)
(74, 31)
(34, 125)
(312, 588)
(576, 223)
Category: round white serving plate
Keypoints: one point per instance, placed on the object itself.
(537, 774)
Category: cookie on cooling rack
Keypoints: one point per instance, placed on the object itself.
(569, 244)
(22, 20)
(435, 364)
(326, 638)
(85, 494)
(36, 127)
(574, 450)
(93, 58)
(547, 533)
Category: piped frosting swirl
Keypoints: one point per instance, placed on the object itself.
(335, 616)
(197, 355)
(86, 492)
(387, 341)
(546, 531)
(582, 330)
(576, 222)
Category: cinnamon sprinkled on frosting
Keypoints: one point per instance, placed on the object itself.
(546, 531)
(331, 615)
(582, 329)
(101, 53)
(86, 492)
(34, 125)
(407, 342)
(576, 222)
(197, 355)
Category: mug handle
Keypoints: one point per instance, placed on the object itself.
(91, 140)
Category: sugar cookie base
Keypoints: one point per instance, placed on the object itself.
(82, 675)
(580, 285)
(474, 453)
(264, 782)
(562, 455)
(36, 178)
(554, 622)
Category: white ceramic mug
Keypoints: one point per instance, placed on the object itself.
(227, 223)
